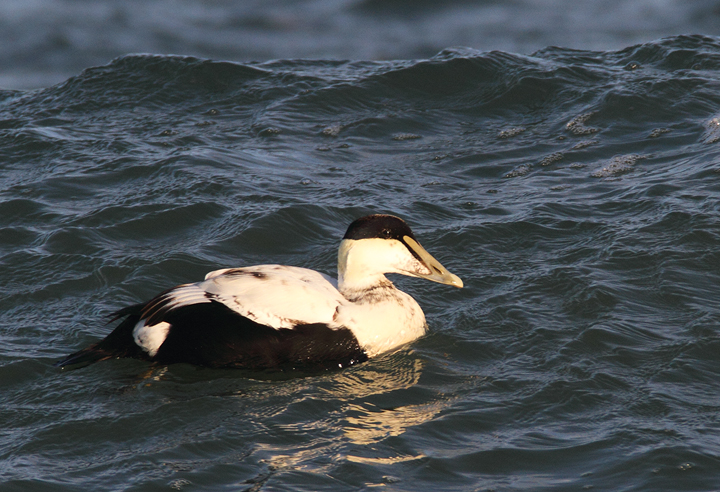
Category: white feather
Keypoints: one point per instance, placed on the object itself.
(390, 319)
(185, 295)
(275, 295)
(150, 337)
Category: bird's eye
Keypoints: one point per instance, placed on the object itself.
(385, 233)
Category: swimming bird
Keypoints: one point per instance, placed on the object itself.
(284, 317)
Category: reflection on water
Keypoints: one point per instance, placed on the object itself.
(385, 374)
(369, 423)
(314, 424)
(376, 460)
(365, 404)
(369, 426)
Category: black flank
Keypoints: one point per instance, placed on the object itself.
(213, 335)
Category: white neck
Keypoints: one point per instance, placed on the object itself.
(379, 315)
(362, 265)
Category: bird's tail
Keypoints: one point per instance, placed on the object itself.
(119, 343)
(84, 357)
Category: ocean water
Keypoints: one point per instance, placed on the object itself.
(44, 42)
(576, 192)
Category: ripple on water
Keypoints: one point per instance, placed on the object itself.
(573, 191)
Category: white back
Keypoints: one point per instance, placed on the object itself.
(276, 295)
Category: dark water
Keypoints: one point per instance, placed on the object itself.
(577, 194)
(44, 42)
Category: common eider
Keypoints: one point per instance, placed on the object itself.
(284, 317)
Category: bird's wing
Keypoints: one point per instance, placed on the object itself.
(273, 295)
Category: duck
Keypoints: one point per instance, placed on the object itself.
(277, 317)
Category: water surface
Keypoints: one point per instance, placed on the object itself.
(575, 193)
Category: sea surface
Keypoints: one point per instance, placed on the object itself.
(576, 193)
(44, 42)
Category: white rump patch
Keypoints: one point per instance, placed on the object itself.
(150, 338)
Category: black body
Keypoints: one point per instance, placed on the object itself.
(213, 335)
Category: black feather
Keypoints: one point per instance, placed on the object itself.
(213, 335)
(119, 343)
(378, 226)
